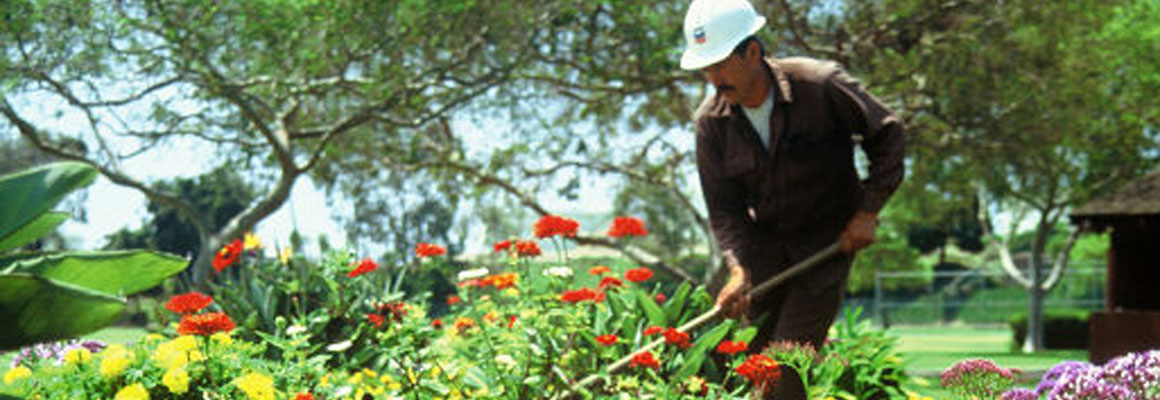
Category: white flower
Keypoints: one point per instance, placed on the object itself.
(340, 346)
(559, 272)
(343, 391)
(505, 360)
(295, 329)
(472, 274)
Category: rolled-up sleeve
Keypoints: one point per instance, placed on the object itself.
(724, 199)
(883, 138)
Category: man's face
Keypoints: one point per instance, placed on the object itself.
(730, 76)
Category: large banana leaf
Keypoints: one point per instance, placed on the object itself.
(35, 229)
(116, 273)
(37, 309)
(28, 194)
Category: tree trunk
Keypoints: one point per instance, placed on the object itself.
(1035, 293)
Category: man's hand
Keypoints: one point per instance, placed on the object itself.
(734, 297)
(859, 232)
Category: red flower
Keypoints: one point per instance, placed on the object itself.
(661, 298)
(730, 348)
(375, 319)
(205, 324)
(599, 270)
(188, 303)
(607, 340)
(527, 248)
(227, 255)
(512, 320)
(503, 245)
(652, 330)
(645, 359)
(678, 338)
(500, 281)
(638, 274)
(626, 226)
(437, 323)
(429, 250)
(364, 266)
(304, 396)
(578, 295)
(453, 300)
(610, 281)
(760, 370)
(552, 225)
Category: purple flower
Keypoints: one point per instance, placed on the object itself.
(1052, 376)
(54, 351)
(1136, 371)
(1088, 384)
(1019, 394)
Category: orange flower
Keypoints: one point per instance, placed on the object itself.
(503, 245)
(607, 340)
(730, 348)
(188, 303)
(626, 226)
(645, 359)
(437, 323)
(599, 270)
(429, 250)
(364, 266)
(760, 370)
(527, 248)
(491, 316)
(652, 330)
(453, 300)
(205, 324)
(464, 323)
(610, 281)
(552, 225)
(677, 338)
(375, 319)
(304, 396)
(501, 281)
(578, 295)
(227, 255)
(638, 274)
(512, 320)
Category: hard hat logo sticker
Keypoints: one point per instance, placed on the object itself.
(699, 35)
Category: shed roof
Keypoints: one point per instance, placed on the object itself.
(1139, 198)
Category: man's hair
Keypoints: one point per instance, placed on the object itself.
(739, 50)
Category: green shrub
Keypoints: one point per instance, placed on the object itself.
(1062, 328)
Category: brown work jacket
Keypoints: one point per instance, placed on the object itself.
(805, 189)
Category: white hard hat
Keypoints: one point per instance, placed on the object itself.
(714, 27)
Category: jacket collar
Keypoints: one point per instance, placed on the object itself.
(782, 94)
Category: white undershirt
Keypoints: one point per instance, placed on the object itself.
(759, 118)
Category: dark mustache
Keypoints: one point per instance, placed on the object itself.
(723, 88)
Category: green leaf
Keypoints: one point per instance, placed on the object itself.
(701, 347)
(118, 273)
(745, 334)
(35, 229)
(37, 309)
(28, 194)
(651, 309)
(674, 305)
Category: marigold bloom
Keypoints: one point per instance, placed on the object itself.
(17, 374)
(135, 391)
(205, 324)
(77, 356)
(578, 295)
(115, 360)
(645, 359)
(491, 316)
(437, 323)
(251, 242)
(503, 245)
(552, 225)
(626, 226)
(256, 386)
(512, 320)
(660, 298)
(730, 348)
(375, 319)
(677, 338)
(599, 270)
(610, 281)
(760, 370)
(527, 248)
(304, 396)
(501, 281)
(364, 266)
(429, 250)
(464, 323)
(607, 340)
(652, 330)
(188, 303)
(638, 274)
(227, 255)
(453, 300)
(177, 380)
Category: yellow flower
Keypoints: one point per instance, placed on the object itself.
(115, 360)
(222, 338)
(153, 337)
(411, 376)
(79, 355)
(251, 242)
(177, 352)
(16, 374)
(511, 292)
(391, 383)
(177, 380)
(284, 256)
(135, 391)
(256, 386)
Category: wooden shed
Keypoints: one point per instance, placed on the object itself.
(1130, 321)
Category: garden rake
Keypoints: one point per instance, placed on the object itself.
(760, 289)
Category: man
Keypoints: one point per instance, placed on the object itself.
(775, 154)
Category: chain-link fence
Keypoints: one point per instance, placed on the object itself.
(973, 296)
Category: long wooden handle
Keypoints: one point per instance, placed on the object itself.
(776, 280)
